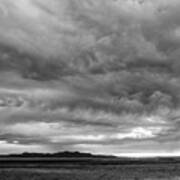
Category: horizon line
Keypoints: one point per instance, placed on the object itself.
(117, 155)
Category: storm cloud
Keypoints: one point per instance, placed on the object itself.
(95, 76)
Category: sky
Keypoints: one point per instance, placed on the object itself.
(92, 76)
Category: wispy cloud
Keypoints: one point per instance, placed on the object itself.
(99, 76)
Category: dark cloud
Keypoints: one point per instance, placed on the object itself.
(92, 75)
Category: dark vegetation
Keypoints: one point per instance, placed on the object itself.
(77, 158)
(65, 154)
(84, 166)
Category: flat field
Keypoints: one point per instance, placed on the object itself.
(88, 170)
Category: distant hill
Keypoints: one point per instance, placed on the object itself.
(60, 159)
(87, 157)
(65, 154)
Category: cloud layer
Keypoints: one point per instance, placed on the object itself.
(99, 76)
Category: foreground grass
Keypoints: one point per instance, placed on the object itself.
(111, 172)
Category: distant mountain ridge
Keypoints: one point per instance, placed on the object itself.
(68, 155)
(67, 158)
(65, 154)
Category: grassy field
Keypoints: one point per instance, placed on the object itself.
(95, 172)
